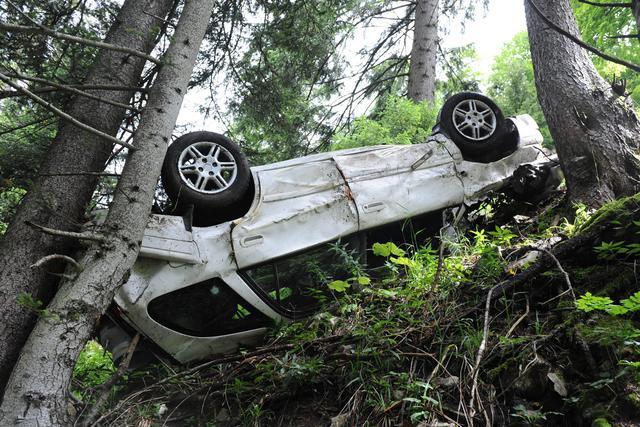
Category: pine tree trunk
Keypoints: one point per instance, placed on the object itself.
(636, 12)
(37, 391)
(59, 201)
(596, 134)
(422, 73)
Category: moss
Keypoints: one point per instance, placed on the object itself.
(623, 210)
(608, 331)
(615, 281)
(504, 368)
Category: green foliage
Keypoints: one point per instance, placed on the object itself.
(502, 236)
(599, 26)
(93, 368)
(401, 121)
(35, 305)
(9, 200)
(531, 417)
(589, 302)
(460, 71)
(512, 83)
(387, 249)
(27, 129)
(286, 77)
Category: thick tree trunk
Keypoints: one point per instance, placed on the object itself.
(422, 73)
(636, 12)
(60, 201)
(37, 391)
(596, 134)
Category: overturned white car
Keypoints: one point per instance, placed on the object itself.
(198, 291)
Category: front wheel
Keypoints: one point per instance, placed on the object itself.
(207, 170)
(477, 126)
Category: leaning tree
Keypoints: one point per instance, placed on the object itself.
(37, 391)
(73, 163)
(596, 131)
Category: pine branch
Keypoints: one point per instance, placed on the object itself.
(62, 114)
(75, 39)
(59, 257)
(13, 93)
(576, 40)
(593, 3)
(92, 237)
(73, 90)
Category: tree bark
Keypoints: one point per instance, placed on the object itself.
(59, 201)
(597, 134)
(635, 6)
(37, 391)
(422, 73)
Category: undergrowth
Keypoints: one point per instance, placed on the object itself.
(417, 343)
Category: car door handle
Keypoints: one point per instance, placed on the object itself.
(251, 241)
(373, 207)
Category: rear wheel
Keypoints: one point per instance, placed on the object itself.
(477, 126)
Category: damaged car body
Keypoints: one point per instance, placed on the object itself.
(196, 291)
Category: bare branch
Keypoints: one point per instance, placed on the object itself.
(54, 257)
(88, 42)
(73, 90)
(92, 237)
(80, 174)
(13, 93)
(625, 36)
(579, 42)
(562, 270)
(481, 349)
(62, 114)
(593, 3)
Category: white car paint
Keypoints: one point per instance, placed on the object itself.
(299, 204)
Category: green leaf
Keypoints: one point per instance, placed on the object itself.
(387, 249)
(632, 303)
(589, 302)
(339, 286)
(363, 280)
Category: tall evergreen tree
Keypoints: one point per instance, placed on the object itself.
(596, 133)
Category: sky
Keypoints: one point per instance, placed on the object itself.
(503, 20)
(489, 32)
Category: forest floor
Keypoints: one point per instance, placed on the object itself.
(527, 314)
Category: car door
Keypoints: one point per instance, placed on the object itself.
(401, 181)
(300, 205)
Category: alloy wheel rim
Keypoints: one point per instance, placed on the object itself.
(474, 119)
(207, 167)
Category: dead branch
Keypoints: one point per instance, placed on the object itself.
(520, 319)
(92, 237)
(75, 39)
(593, 3)
(73, 90)
(13, 93)
(562, 270)
(81, 174)
(59, 257)
(62, 114)
(481, 350)
(105, 389)
(579, 42)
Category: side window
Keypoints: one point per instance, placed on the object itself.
(207, 309)
(298, 284)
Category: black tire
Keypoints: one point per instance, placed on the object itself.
(482, 134)
(220, 188)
